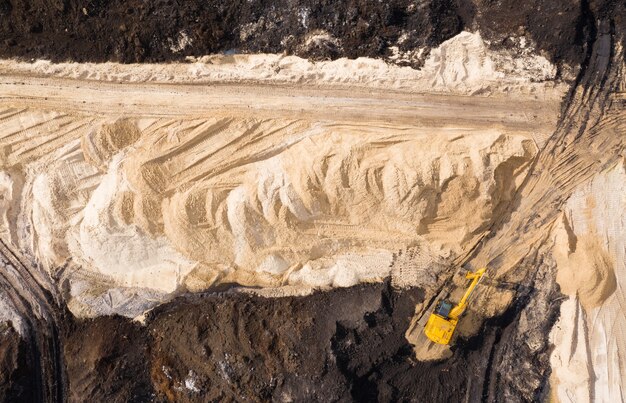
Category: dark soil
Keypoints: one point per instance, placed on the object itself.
(145, 30)
(107, 361)
(343, 345)
(237, 347)
(15, 369)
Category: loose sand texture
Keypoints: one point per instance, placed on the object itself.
(133, 183)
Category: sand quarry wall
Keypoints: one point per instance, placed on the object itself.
(590, 254)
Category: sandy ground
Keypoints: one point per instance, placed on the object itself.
(131, 184)
(460, 65)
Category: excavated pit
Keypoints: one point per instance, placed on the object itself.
(224, 347)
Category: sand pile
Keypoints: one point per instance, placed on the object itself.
(167, 205)
(587, 272)
(153, 196)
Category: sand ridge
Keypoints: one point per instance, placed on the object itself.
(263, 203)
(592, 320)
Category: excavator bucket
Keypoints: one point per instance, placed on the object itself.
(439, 329)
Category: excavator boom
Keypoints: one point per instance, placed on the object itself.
(457, 311)
(442, 322)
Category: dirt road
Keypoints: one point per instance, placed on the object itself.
(276, 101)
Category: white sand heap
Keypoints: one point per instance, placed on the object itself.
(170, 205)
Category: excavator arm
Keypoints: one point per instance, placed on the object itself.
(458, 310)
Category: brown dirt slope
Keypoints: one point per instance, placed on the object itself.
(106, 361)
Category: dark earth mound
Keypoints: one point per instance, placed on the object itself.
(107, 360)
(155, 30)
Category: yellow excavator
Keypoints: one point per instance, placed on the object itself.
(443, 320)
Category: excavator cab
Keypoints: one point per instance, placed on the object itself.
(440, 328)
(443, 308)
(442, 322)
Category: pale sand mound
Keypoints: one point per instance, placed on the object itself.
(587, 271)
(120, 250)
(166, 205)
(571, 379)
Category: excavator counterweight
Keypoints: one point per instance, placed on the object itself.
(442, 322)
